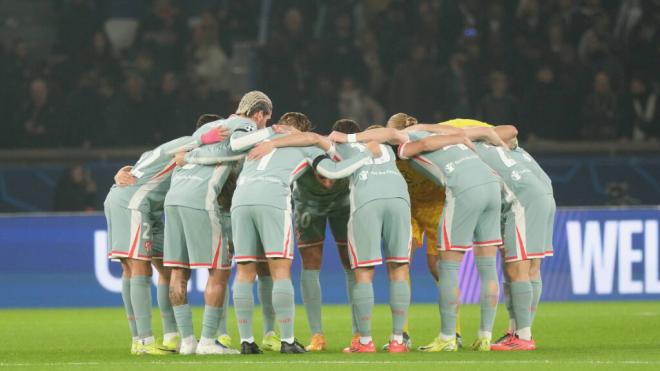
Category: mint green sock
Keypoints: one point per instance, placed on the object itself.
(537, 288)
(183, 316)
(222, 326)
(490, 291)
(363, 297)
(141, 300)
(399, 304)
(243, 307)
(350, 286)
(284, 306)
(449, 301)
(128, 306)
(211, 321)
(310, 286)
(165, 306)
(521, 294)
(265, 291)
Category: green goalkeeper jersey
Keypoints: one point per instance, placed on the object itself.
(310, 194)
(267, 181)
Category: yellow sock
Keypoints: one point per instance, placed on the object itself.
(458, 322)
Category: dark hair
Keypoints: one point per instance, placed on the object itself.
(206, 118)
(346, 126)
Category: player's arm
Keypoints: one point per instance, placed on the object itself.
(435, 128)
(296, 139)
(242, 140)
(506, 132)
(380, 135)
(432, 143)
(124, 177)
(210, 155)
(328, 168)
(182, 144)
(486, 134)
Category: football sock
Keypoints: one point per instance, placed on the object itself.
(363, 296)
(141, 300)
(244, 306)
(311, 295)
(399, 304)
(508, 302)
(537, 288)
(284, 306)
(350, 286)
(128, 306)
(406, 327)
(448, 296)
(183, 316)
(165, 306)
(265, 292)
(521, 294)
(211, 321)
(490, 291)
(222, 326)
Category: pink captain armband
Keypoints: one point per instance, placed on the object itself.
(212, 136)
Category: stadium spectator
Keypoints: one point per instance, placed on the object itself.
(643, 115)
(38, 120)
(172, 112)
(601, 114)
(542, 117)
(131, 113)
(163, 31)
(456, 88)
(499, 107)
(75, 191)
(77, 20)
(412, 88)
(356, 105)
(208, 61)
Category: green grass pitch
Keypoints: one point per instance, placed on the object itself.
(570, 336)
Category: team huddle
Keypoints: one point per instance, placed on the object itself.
(234, 191)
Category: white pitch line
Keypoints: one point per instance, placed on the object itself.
(347, 362)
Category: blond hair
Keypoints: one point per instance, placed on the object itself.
(253, 102)
(401, 121)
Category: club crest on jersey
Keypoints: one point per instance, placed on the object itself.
(449, 168)
(363, 175)
(251, 127)
(515, 175)
(147, 246)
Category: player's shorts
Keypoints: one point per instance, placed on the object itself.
(261, 232)
(194, 239)
(386, 220)
(133, 234)
(471, 219)
(425, 219)
(526, 227)
(310, 225)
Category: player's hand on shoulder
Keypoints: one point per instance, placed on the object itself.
(374, 148)
(180, 158)
(468, 143)
(124, 177)
(338, 137)
(260, 150)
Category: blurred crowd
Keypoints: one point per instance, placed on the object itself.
(137, 72)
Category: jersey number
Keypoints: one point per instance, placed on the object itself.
(508, 161)
(265, 160)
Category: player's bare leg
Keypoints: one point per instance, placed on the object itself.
(363, 299)
(310, 285)
(170, 332)
(399, 304)
(179, 298)
(270, 339)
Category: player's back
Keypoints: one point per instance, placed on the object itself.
(379, 178)
(455, 167)
(153, 173)
(267, 181)
(520, 155)
(517, 177)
